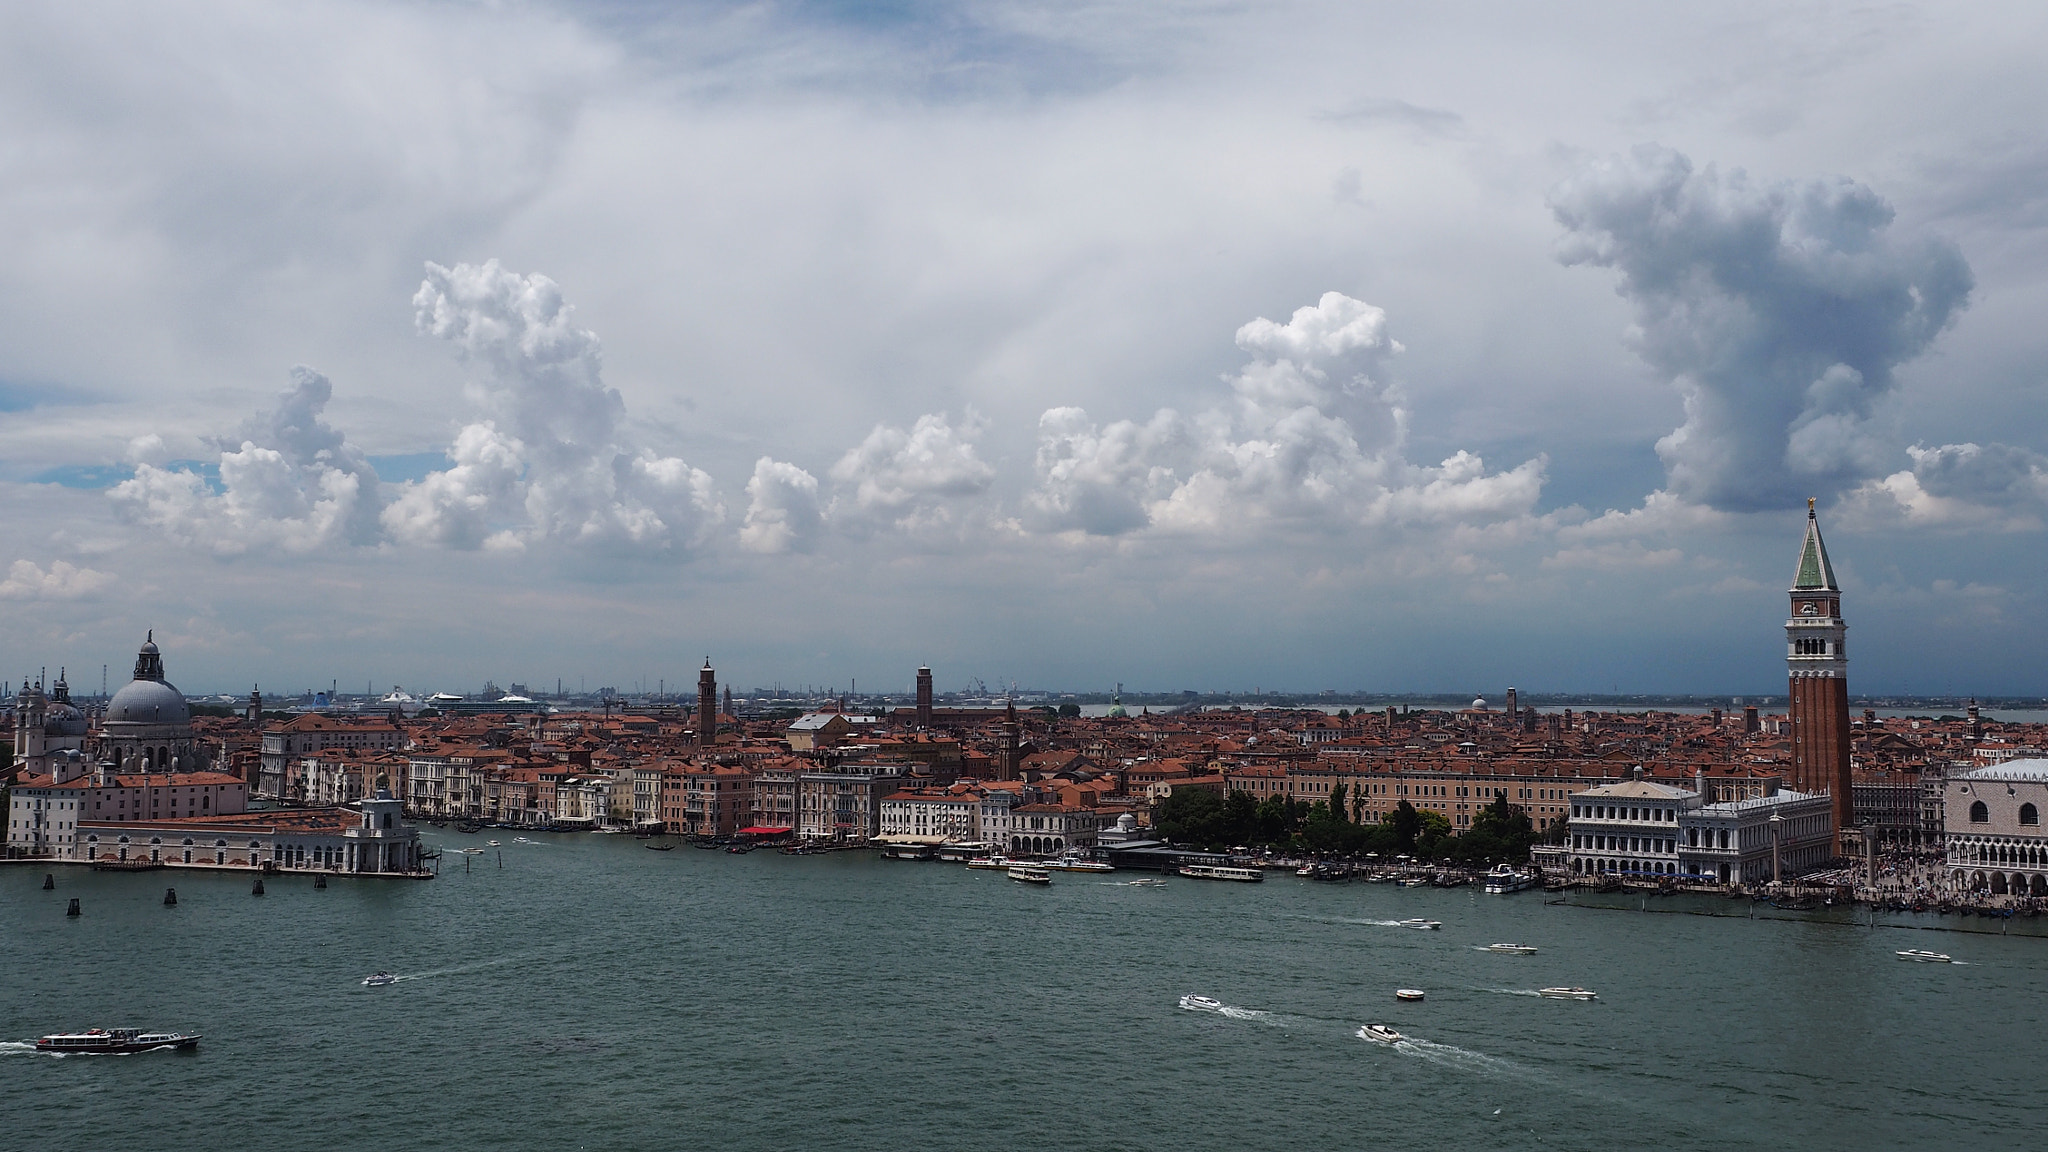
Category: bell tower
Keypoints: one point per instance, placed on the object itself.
(1817, 663)
(707, 706)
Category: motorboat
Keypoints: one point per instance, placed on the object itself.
(1305, 870)
(492, 843)
(1383, 1033)
(379, 980)
(469, 851)
(1029, 874)
(1504, 878)
(1412, 882)
(1511, 949)
(1419, 922)
(1925, 957)
(1147, 882)
(1201, 1004)
(659, 847)
(1077, 864)
(517, 840)
(115, 1041)
(1410, 994)
(1567, 994)
(990, 863)
(1222, 872)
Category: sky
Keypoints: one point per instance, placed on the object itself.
(1296, 346)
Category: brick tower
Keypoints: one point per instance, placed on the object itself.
(1818, 664)
(924, 698)
(707, 706)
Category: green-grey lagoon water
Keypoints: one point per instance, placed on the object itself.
(591, 994)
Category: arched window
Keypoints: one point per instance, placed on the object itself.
(2029, 814)
(1979, 814)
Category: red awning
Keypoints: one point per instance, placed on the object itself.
(764, 831)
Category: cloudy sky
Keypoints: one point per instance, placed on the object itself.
(1200, 345)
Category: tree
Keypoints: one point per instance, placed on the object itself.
(1338, 812)
(1070, 710)
(1500, 834)
(1406, 823)
(1343, 713)
(1191, 816)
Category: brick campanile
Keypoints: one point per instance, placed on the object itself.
(1817, 662)
(924, 698)
(707, 706)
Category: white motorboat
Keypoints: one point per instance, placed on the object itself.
(1076, 864)
(1383, 1033)
(990, 863)
(379, 980)
(1222, 872)
(1201, 1004)
(1925, 957)
(1567, 994)
(1511, 949)
(492, 843)
(1504, 878)
(1409, 994)
(470, 851)
(1147, 882)
(1419, 922)
(1305, 870)
(517, 840)
(1411, 882)
(1029, 874)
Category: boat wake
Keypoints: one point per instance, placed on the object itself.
(1452, 1056)
(1253, 1014)
(458, 970)
(1513, 991)
(17, 1046)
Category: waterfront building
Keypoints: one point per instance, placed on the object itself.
(919, 816)
(718, 799)
(1817, 664)
(1050, 829)
(1751, 836)
(1994, 838)
(47, 813)
(845, 803)
(1629, 829)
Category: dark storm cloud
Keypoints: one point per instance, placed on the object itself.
(1780, 312)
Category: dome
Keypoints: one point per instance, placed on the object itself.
(64, 720)
(1479, 702)
(148, 702)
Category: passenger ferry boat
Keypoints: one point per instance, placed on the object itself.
(1076, 864)
(1030, 874)
(1222, 872)
(1925, 957)
(990, 863)
(115, 1041)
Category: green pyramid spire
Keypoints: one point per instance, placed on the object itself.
(1815, 573)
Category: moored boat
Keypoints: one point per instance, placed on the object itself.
(1077, 864)
(1511, 949)
(1383, 1033)
(115, 1041)
(1222, 872)
(1925, 957)
(1419, 922)
(1029, 874)
(1410, 994)
(1504, 878)
(1201, 1004)
(1567, 994)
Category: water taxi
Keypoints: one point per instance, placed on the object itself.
(1383, 1033)
(1146, 882)
(1419, 922)
(1567, 994)
(1029, 874)
(115, 1041)
(1410, 994)
(1926, 957)
(379, 980)
(1201, 1004)
(1222, 872)
(1510, 949)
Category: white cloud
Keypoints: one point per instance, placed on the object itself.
(782, 509)
(1989, 486)
(289, 481)
(62, 581)
(1315, 438)
(911, 479)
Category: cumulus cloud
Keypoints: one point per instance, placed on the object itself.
(62, 581)
(782, 509)
(1315, 436)
(910, 479)
(288, 481)
(551, 461)
(1995, 486)
(1778, 311)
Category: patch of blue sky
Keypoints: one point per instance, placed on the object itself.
(96, 477)
(409, 466)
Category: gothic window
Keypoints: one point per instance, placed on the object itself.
(1979, 814)
(2029, 814)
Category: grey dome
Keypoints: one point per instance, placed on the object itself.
(64, 720)
(148, 702)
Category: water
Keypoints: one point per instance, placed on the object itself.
(591, 994)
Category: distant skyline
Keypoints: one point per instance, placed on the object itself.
(1307, 346)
